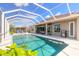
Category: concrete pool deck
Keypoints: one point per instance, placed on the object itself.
(6, 42)
(71, 50)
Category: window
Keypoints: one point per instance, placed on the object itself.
(56, 27)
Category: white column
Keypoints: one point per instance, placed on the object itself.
(77, 29)
(34, 29)
(2, 29)
(7, 27)
(26, 29)
(46, 28)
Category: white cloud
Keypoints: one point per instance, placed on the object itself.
(21, 4)
(48, 16)
(58, 13)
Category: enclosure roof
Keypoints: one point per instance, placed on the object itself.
(37, 12)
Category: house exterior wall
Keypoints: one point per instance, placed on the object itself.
(64, 25)
(20, 29)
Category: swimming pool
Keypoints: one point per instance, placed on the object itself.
(44, 46)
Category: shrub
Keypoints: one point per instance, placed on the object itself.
(17, 51)
(11, 32)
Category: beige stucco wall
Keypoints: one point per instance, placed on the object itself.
(64, 26)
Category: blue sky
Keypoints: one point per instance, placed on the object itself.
(55, 8)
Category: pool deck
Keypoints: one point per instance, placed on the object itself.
(71, 50)
(6, 42)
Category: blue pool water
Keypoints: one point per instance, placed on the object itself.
(44, 46)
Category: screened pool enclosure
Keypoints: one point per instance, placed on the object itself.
(36, 18)
(30, 14)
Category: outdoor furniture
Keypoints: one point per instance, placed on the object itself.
(64, 33)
